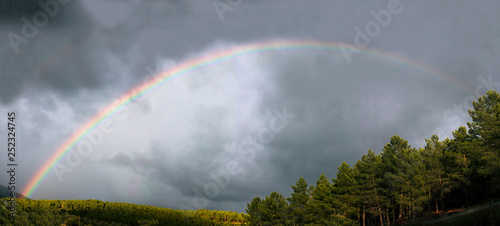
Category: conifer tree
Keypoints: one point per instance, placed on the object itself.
(299, 202)
(273, 209)
(321, 206)
(368, 182)
(485, 127)
(343, 189)
(253, 210)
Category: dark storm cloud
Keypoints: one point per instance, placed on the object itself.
(49, 54)
(95, 50)
(342, 110)
(18, 8)
(68, 53)
(347, 109)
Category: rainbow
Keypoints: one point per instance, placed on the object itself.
(203, 61)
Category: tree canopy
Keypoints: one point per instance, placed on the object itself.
(404, 184)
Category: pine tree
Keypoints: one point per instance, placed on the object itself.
(485, 127)
(368, 182)
(299, 202)
(253, 210)
(437, 184)
(486, 120)
(343, 189)
(397, 167)
(460, 162)
(321, 206)
(273, 209)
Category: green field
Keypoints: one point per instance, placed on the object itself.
(96, 212)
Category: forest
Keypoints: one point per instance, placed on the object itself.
(404, 185)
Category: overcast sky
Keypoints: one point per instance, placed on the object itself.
(185, 144)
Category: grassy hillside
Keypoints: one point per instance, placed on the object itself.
(96, 212)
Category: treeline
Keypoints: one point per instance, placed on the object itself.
(96, 212)
(401, 184)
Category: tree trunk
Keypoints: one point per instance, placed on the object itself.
(378, 204)
(441, 188)
(359, 212)
(442, 200)
(393, 214)
(409, 211)
(410, 201)
(364, 224)
(400, 207)
(387, 216)
(413, 207)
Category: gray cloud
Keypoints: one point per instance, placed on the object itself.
(166, 145)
